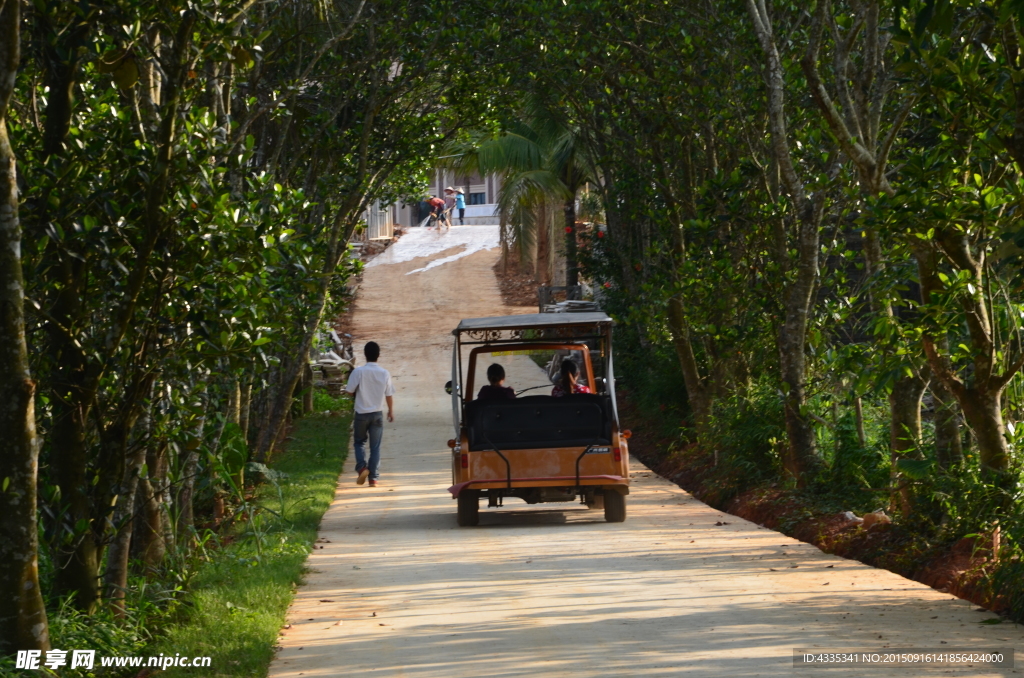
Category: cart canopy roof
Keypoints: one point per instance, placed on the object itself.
(533, 321)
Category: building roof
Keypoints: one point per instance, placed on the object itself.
(532, 321)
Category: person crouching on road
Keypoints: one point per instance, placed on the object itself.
(372, 387)
(437, 210)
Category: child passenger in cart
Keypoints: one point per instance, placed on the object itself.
(496, 390)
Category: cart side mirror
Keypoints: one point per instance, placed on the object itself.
(448, 387)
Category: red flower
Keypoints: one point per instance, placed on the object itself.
(600, 234)
(568, 229)
(608, 285)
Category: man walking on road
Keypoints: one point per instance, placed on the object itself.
(372, 386)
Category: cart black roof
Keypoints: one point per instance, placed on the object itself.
(533, 321)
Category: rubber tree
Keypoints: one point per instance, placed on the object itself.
(801, 459)
(23, 622)
(968, 158)
(860, 116)
(78, 375)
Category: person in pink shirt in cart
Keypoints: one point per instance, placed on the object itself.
(570, 372)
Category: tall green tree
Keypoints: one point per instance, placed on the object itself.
(23, 623)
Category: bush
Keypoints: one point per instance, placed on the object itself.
(745, 432)
(325, 402)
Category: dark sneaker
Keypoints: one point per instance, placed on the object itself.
(363, 475)
(374, 483)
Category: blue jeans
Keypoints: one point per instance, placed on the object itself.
(368, 425)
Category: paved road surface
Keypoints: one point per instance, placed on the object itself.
(553, 590)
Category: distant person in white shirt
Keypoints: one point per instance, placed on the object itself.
(372, 386)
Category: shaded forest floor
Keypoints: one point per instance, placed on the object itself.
(962, 568)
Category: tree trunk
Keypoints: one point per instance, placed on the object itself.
(189, 471)
(905, 430)
(244, 406)
(307, 389)
(696, 389)
(543, 247)
(116, 576)
(503, 234)
(23, 623)
(234, 402)
(801, 459)
(983, 411)
(981, 401)
(948, 445)
(149, 542)
(802, 455)
(572, 276)
(164, 504)
(80, 574)
(280, 405)
(858, 409)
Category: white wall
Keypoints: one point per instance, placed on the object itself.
(480, 211)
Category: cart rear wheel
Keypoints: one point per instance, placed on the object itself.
(614, 507)
(469, 508)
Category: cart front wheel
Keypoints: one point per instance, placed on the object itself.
(469, 508)
(614, 507)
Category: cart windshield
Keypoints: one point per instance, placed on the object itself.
(534, 370)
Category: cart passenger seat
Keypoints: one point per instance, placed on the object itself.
(537, 422)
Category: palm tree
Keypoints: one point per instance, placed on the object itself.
(541, 161)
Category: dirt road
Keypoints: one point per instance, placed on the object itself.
(679, 589)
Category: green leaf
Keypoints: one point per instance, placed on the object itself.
(915, 469)
(7, 481)
(261, 341)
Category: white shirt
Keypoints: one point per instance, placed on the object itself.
(371, 383)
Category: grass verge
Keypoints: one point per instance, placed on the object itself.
(240, 598)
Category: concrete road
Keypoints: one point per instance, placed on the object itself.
(679, 589)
